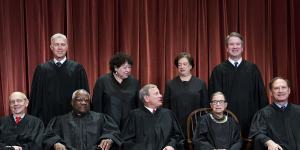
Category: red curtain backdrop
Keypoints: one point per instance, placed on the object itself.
(153, 32)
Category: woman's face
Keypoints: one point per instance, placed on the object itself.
(123, 71)
(184, 67)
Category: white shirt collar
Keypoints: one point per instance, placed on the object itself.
(62, 61)
(22, 116)
(150, 109)
(279, 105)
(233, 61)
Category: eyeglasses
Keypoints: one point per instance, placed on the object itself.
(16, 100)
(216, 102)
(82, 100)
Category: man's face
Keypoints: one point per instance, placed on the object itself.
(235, 47)
(81, 103)
(59, 47)
(18, 104)
(154, 99)
(218, 104)
(184, 67)
(123, 71)
(280, 90)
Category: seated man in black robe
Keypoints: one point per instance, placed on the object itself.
(81, 129)
(276, 126)
(20, 131)
(216, 130)
(152, 127)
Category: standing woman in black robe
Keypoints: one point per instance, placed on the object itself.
(116, 93)
(185, 92)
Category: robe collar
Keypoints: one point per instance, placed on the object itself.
(221, 120)
(79, 115)
(22, 116)
(123, 83)
(232, 61)
(62, 61)
(278, 107)
(150, 110)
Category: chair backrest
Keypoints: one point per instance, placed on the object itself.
(194, 117)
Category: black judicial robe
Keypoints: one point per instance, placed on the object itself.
(27, 134)
(146, 131)
(81, 132)
(52, 88)
(211, 135)
(115, 99)
(244, 90)
(271, 123)
(183, 97)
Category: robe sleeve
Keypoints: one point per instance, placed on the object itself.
(110, 130)
(52, 135)
(215, 81)
(37, 92)
(3, 142)
(129, 133)
(83, 79)
(167, 96)
(200, 138)
(97, 99)
(204, 96)
(177, 137)
(258, 130)
(261, 95)
(236, 136)
(35, 136)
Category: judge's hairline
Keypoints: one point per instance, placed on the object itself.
(83, 91)
(277, 78)
(57, 36)
(144, 91)
(217, 93)
(23, 96)
(234, 34)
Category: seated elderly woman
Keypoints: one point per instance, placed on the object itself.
(216, 130)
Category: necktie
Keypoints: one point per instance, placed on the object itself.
(58, 64)
(154, 110)
(18, 119)
(236, 64)
(282, 108)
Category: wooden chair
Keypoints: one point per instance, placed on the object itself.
(192, 122)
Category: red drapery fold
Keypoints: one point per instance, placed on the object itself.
(153, 32)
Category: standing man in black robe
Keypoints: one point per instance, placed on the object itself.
(276, 126)
(81, 129)
(240, 81)
(54, 82)
(20, 131)
(152, 127)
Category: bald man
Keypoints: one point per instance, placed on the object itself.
(20, 131)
